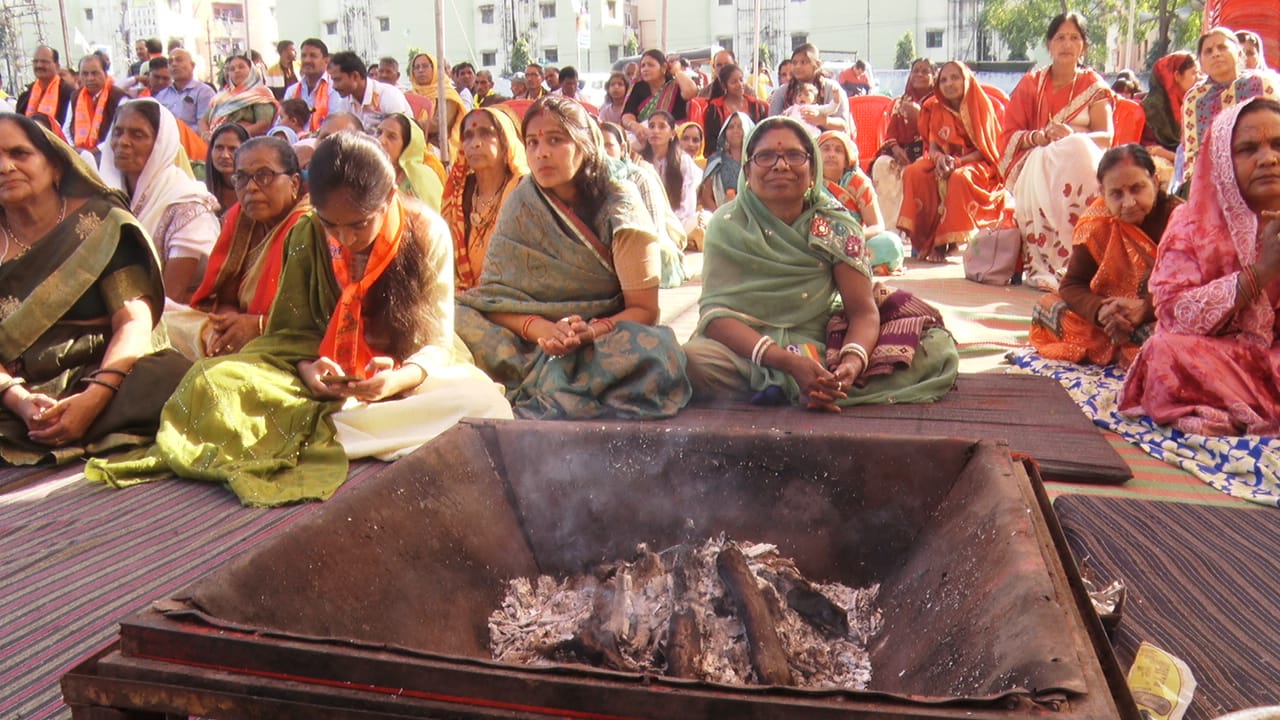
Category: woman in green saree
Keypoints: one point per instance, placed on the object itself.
(357, 360)
(788, 309)
(80, 291)
(564, 313)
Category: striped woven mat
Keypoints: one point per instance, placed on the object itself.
(1202, 584)
(76, 557)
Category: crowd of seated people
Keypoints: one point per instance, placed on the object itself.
(359, 279)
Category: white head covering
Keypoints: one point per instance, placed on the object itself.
(166, 178)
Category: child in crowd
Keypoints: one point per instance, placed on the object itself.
(807, 101)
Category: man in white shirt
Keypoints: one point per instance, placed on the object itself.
(362, 96)
(464, 79)
(187, 98)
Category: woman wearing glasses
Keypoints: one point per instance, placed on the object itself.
(788, 309)
(230, 307)
(144, 157)
(358, 356)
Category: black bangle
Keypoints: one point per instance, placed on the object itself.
(103, 383)
(109, 371)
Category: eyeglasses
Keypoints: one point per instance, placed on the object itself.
(770, 158)
(261, 178)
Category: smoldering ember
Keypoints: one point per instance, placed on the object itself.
(725, 612)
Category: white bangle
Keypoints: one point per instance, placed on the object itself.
(854, 348)
(762, 347)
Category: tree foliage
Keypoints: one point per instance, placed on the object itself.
(520, 55)
(631, 46)
(905, 52)
(1021, 24)
(766, 55)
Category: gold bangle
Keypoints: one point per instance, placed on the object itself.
(262, 324)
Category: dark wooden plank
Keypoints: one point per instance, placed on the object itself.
(1035, 415)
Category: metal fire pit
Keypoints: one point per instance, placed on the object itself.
(377, 604)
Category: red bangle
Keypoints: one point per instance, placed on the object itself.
(524, 328)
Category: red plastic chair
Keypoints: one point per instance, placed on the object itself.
(996, 93)
(870, 117)
(1130, 121)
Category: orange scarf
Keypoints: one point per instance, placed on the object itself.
(220, 273)
(321, 110)
(48, 102)
(88, 122)
(344, 340)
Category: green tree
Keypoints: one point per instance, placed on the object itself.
(766, 56)
(631, 46)
(520, 55)
(905, 52)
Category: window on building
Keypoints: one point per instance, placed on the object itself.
(726, 2)
(725, 42)
(933, 38)
(798, 39)
(486, 14)
(615, 52)
(88, 14)
(489, 58)
(330, 27)
(548, 10)
(611, 9)
(384, 24)
(551, 55)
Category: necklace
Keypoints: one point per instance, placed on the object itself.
(483, 210)
(9, 234)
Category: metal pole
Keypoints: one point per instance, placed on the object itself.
(755, 44)
(66, 34)
(442, 116)
(664, 26)
(1128, 49)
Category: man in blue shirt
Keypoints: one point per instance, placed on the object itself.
(187, 98)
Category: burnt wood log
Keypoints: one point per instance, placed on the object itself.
(767, 654)
(684, 645)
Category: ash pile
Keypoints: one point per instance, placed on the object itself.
(727, 612)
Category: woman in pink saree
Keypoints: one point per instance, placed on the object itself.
(1211, 366)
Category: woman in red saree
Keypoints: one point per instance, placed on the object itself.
(1211, 366)
(902, 142)
(956, 191)
(1103, 312)
(1056, 126)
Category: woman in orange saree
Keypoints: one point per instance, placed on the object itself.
(955, 191)
(1103, 311)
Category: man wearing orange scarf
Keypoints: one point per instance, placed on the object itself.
(95, 105)
(48, 94)
(314, 86)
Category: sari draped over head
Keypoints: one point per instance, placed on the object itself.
(56, 306)
(471, 227)
(778, 279)
(1210, 368)
(722, 171)
(904, 123)
(943, 213)
(1207, 100)
(1054, 184)
(431, 91)
(1163, 103)
(856, 193)
(1124, 255)
(277, 443)
(422, 180)
(544, 260)
(234, 99)
(166, 183)
(700, 160)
